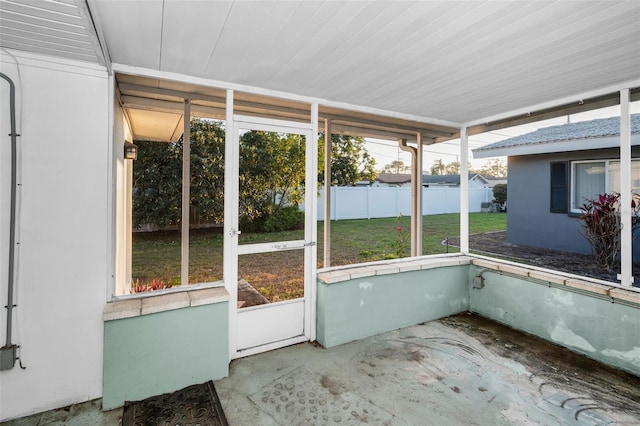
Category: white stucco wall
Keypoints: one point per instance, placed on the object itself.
(64, 271)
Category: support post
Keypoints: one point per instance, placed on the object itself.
(626, 237)
(186, 196)
(418, 207)
(327, 193)
(229, 246)
(464, 191)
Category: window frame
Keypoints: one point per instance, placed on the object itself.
(607, 161)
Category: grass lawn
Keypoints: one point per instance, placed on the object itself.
(278, 275)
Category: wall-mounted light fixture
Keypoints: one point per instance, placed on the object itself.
(130, 151)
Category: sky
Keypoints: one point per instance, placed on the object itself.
(385, 151)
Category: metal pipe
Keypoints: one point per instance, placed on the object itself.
(416, 187)
(12, 229)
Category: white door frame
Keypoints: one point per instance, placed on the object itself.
(233, 249)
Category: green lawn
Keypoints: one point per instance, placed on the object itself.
(157, 255)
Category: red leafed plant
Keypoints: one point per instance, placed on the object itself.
(601, 227)
(140, 287)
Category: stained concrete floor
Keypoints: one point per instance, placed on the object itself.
(462, 370)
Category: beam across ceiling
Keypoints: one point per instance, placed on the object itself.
(152, 94)
(583, 105)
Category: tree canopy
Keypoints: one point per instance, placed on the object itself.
(396, 166)
(439, 167)
(271, 174)
(350, 161)
(494, 167)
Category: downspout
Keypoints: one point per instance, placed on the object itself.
(416, 192)
(8, 351)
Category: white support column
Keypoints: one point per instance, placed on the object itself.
(418, 207)
(229, 248)
(128, 226)
(464, 191)
(312, 230)
(626, 237)
(327, 193)
(186, 196)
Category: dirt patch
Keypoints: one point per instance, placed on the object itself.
(496, 244)
(553, 365)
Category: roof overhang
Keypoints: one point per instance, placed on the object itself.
(552, 147)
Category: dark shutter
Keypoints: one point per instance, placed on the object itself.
(559, 184)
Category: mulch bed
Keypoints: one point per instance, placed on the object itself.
(495, 244)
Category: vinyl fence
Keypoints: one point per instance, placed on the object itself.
(374, 202)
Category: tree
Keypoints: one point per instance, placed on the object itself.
(453, 168)
(350, 161)
(500, 192)
(272, 172)
(396, 166)
(494, 167)
(156, 183)
(438, 167)
(157, 178)
(271, 175)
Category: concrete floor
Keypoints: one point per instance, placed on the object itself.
(462, 370)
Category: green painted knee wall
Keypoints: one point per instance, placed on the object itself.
(594, 326)
(162, 352)
(357, 308)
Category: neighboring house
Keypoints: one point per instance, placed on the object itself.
(393, 179)
(552, 171)
(475, 181)
(404, 179)
(493, 181)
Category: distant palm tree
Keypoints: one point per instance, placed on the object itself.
(438, 167)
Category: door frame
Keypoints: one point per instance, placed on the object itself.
(231, 231)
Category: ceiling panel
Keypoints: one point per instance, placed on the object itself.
(133, 31)
(442, 60)
(210, 20)
(49, 27)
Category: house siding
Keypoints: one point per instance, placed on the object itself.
(529, 220)
(62, 263)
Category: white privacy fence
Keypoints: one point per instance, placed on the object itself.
(373, 202)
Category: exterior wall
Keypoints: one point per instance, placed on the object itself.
(361, 307)
(529, 221)
(589, 324)
(62, 272)
(160, 352)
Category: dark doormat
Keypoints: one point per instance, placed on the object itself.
(196, 405)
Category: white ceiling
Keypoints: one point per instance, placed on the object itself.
(457, 62)
(454, 61)
(60, 28)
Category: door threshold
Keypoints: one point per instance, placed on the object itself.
(269, 346)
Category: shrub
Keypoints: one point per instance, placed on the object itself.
(283, 219)
(156, 284)
(601, 227)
